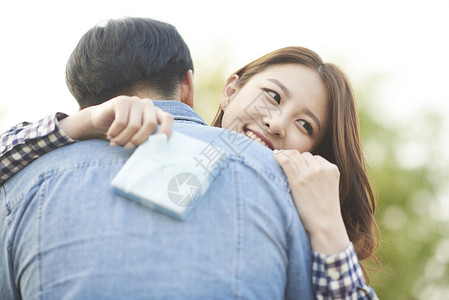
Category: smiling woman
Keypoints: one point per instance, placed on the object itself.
(294, 93)
(290, 99)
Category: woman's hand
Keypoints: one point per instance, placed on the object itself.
(124, 120)
(314, 184)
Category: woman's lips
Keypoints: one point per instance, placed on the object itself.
(258, 137)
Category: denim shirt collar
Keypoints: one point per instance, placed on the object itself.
(180, 111)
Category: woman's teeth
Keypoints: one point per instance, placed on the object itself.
(254, 137)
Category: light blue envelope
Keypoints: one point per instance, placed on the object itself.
(170, 176)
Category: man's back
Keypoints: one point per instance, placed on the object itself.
(70, 234)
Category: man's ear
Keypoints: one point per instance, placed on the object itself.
(187, 92)
(228, 91)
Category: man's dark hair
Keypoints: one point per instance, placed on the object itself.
(125, 55)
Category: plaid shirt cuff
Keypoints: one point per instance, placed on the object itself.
(25, 142)
(340, 276)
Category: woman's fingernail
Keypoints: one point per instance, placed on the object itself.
(112, 144)
(129, 146)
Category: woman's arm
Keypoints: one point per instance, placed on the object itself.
(124, 120)
(314, 184)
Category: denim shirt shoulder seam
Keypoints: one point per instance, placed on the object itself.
(290, 227)
(239, 248)
(191, 120)
(6, 211)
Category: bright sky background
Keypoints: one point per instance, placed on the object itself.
(402, 42)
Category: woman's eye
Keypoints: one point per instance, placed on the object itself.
(307, 126)
(274, 95)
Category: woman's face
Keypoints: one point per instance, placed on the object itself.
(283, 107)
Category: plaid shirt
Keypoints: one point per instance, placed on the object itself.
(339, 276)
(26, 142)
(333, 276)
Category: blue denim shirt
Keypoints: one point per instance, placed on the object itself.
(65, 234)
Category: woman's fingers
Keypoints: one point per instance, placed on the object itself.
(125, 127)
(120, 112)
(298, 167)
(135, 120)
(146, 114)
(326, 164)
(165, 120)
(152, 116)
(309, 176)
(289, 163)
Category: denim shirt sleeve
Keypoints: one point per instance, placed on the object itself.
(25, 142)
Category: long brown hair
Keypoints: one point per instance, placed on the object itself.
(341, 145)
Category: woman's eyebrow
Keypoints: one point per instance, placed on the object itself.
(313, 116)
(281, 86)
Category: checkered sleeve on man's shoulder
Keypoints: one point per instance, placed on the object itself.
(25, 142)
(339, 276)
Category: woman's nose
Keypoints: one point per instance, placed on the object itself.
(275, 126)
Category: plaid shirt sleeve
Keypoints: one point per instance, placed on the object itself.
(340, 276)
(26, 142)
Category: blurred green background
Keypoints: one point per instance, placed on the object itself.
(409, 174)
